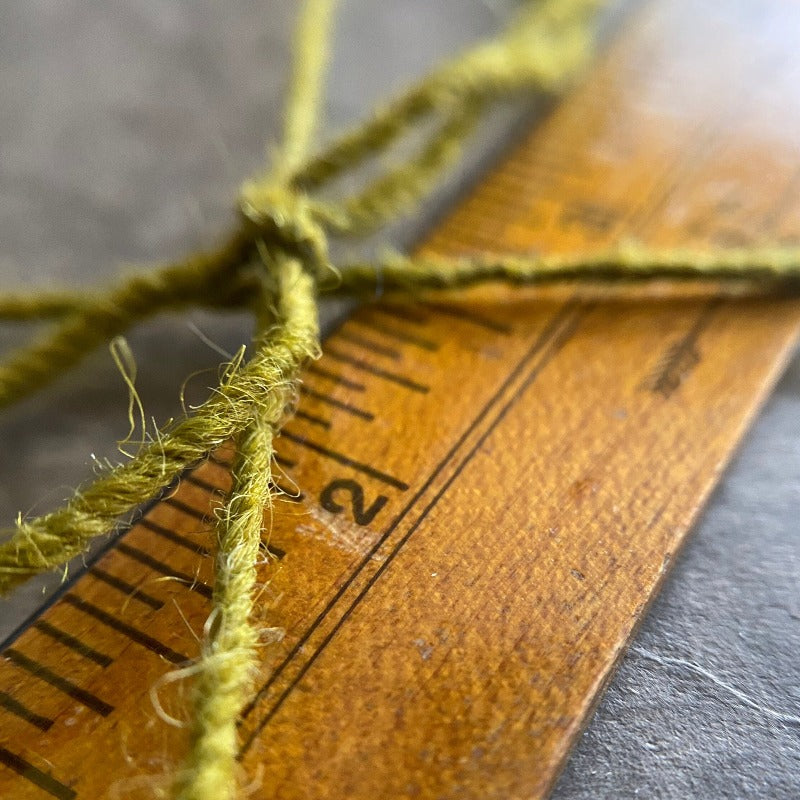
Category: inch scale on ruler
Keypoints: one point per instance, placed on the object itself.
(482, 492)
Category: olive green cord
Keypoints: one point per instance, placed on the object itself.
(230, 644)
(110, 314)
(229, 647)
(544, 48)
(228, 658)
(311, 53)
(263, 387)
(275, 262)
(630, 261)
(47, 305)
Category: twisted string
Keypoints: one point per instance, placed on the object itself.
(229, 648)
(228, 656)
(631, 261)
(263, 387)
(275, 262)
(98, 319)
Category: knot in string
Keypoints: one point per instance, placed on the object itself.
(285, 218)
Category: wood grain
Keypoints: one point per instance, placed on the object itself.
(483, 490)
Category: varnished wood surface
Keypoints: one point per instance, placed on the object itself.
(491, 486)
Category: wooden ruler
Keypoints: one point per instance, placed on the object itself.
(483, 491)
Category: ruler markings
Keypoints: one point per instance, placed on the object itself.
(134, 634)
(398, 312)
(286, 463)
(195, 584)
(206, 486)
(334, 403)
(552, 342)
(84, 697)
(219, 461)
(189, 510)
(371, 346)
(335, 377)
(173, 536)
(312, 419)
(498, 195)
(276, 552)
(344, 460)
(13, 706)
(38, 778)
(540, 343)
(378, 372)
(682, 356)
(400, 336)
(590, 215)
(73, 643)
(699, 145)
(128, 589)
(470, 316)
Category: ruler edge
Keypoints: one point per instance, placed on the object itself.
(694, 520)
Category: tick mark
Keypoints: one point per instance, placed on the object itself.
(172, 536)
(135, 553)
(345, 460)
(400, 336)
(334, 377)
(368, 344)
(64, 685)
(334, 403)
(393, 377)
(73, 643)
(23, 712)
(38, 778)
(128, 589)
(134, 634)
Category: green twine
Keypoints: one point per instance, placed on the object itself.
(276, 263)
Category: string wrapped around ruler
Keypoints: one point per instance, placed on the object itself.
(276, 263)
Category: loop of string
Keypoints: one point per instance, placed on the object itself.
(275, 263)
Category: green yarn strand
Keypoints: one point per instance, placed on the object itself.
(228, 654)
(98, 319)
(229, 645)
(629, 262)
(260, 390)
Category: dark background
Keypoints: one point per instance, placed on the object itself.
(125, 129)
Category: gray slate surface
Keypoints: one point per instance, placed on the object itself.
(124, 131)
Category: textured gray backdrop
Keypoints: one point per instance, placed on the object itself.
(124, 131)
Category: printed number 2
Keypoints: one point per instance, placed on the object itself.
(363, 516)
